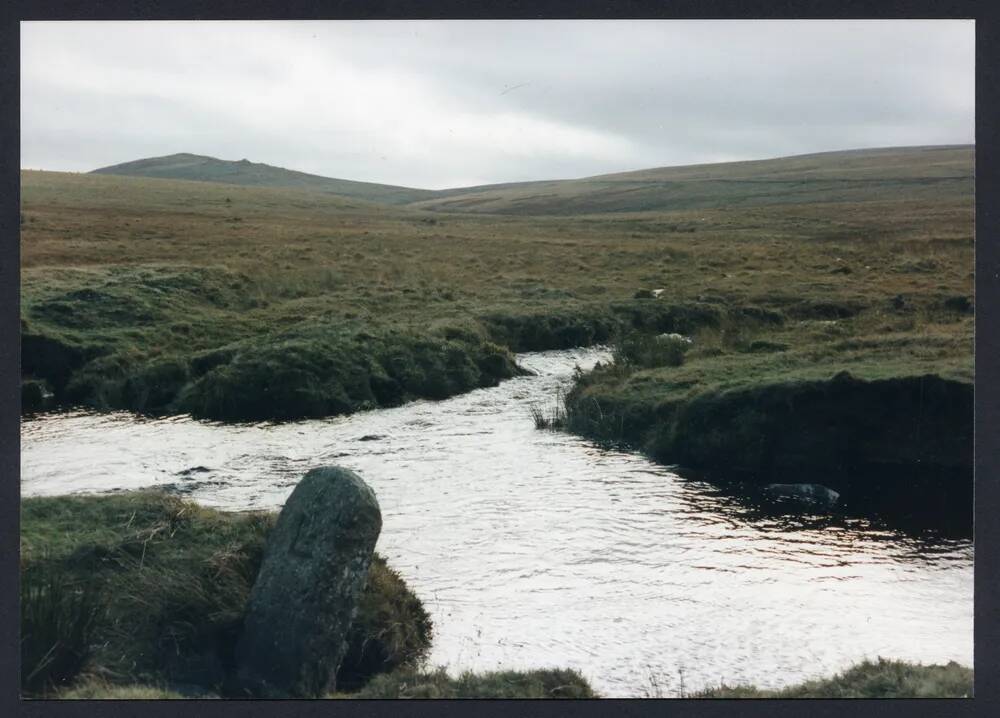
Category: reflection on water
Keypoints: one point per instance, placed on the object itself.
(534, 548)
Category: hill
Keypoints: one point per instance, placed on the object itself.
(843, 176)
(255, 174)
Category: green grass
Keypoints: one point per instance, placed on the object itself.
(145, 588)
(869, 679)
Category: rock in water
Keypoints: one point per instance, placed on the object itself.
(314, 568)
(808, 493)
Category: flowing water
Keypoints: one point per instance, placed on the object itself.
(538, 549)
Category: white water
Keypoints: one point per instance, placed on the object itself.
(537, 549)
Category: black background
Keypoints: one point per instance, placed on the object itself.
(987, 536)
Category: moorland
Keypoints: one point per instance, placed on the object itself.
(239, 301)
(163, 295)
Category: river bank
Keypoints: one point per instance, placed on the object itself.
(251, 303)
(869, 679)
(143, 587)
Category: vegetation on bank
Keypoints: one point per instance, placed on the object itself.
(543, 683)
(140, 595)
(878, 679)
(878, 406)
(869, 679)
(143, 588)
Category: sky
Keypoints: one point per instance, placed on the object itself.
(438, 104)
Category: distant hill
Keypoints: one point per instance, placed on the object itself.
(243, 172)
(844, 176)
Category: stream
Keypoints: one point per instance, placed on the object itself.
(535, 548)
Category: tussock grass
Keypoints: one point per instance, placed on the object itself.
(58, 613)
(878, 679)
(650, 350)
(869, 679)
(96, 689)
(171, 580)
(554, 683)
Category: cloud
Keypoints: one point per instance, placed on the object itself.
(438, 104)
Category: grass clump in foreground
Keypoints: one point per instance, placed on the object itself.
(869, 679)
(98, 690)
(546, 683)
(143, 588)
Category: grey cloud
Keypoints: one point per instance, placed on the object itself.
(438, 104)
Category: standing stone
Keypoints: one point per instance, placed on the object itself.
(314, 568)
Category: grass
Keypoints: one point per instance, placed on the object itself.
(869, 679)
(551, 683)
(650, 350)
(878, 679)
(58, 613)
(243, 302)
(95, 689)
(147, 589)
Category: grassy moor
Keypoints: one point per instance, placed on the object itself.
(842, 282)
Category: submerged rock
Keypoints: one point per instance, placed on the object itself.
(35, 396)
(305, 597)
(805, 493)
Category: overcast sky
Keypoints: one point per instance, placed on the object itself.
(447, 103)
